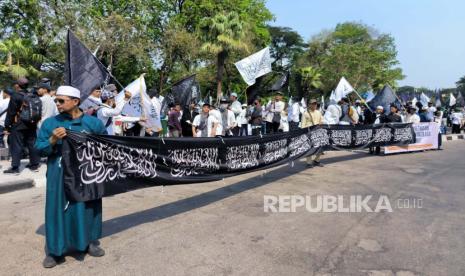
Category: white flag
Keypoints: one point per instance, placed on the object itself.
(452, 100)
(255, 66)
(342, 90)
(424, 99)
(414, 101)
(137, 108)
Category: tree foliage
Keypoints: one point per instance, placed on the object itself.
(353, 50)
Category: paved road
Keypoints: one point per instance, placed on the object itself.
(220, 228)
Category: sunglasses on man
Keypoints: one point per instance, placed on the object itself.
(61, 101)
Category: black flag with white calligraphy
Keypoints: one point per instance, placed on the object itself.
(82, 69)
(99, 165)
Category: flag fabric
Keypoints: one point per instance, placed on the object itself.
(414, 101)
(424, 99)
(140, 104)
(438, 101)
(184, 91)
(369, 96)
(460, 100)
(82, 69)
(255, 66)
(96, 165)
(253, 91)
(282, 82)
(342, 90)
(452, 100)
(384, 98)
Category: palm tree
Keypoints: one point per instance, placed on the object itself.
(461, 84)
(17, 57)
(311, 79)
(224, 34)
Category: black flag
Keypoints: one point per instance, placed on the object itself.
(82, 69)
(253, 91)
(384, 98)
(183, 90)
(282, 82)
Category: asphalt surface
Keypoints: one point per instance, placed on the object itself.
(221, 228)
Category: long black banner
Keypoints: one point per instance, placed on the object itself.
(101, 165)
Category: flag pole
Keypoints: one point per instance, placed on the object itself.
(366, 104)
(140, 96)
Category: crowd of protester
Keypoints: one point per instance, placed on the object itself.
(23, 108)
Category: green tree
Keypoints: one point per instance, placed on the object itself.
(310, 79)
(17, 58)
(224, 34)
(461, 84)
(353, 50)
(286, 46)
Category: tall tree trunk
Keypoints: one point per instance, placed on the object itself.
(221, 58)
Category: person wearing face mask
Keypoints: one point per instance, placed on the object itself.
(256, 117)
(110, 109)
(228, 119)
(204, 125)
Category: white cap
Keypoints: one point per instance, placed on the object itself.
(380, 107)
(234, 94)
(69, 91)
(244, 105)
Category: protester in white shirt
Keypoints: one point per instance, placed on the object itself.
(236, 108)
(4, 102)
(110, 108)
(412, 116)
(205, 124)
(294, 115)
(284, 124)
(228, 119)
(332, 114)
(273, 118)
(217, 116)
(243, 121)
(49, 108)
(456, 119)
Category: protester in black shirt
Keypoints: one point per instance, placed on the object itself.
(393, 117)
(21, 134)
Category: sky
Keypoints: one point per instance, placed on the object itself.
(429, 34)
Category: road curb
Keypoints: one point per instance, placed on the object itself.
(453, 137)
(11, 186)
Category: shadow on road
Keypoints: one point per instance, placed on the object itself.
(120, 224)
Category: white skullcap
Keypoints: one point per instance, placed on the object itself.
(234, 94)
(69, 91)
(380, 107)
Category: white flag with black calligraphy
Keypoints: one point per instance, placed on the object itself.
(255, 66)
(137, 108)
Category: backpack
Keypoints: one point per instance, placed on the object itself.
(31, 110)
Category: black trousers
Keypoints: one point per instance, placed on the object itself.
(272, 127)
(256, 131)
(244, 130)
(268, 127)
(20, 139)
(235, 130)
(2, 144)
(293, 126)
(455, 129)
